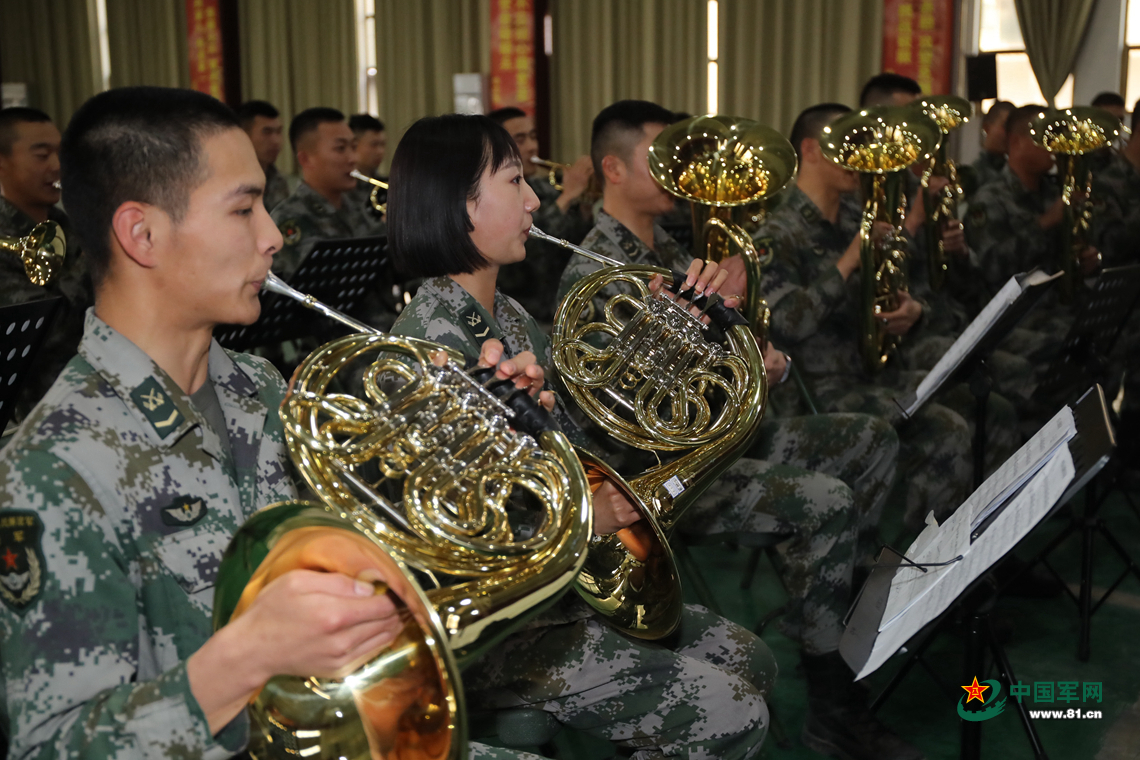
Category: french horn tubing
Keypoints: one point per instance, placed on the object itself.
(554, 167)
(41, 252)
(374, 196)
(416, 474)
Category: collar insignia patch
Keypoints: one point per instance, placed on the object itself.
(157, 406)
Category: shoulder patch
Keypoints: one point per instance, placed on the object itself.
(157, 406)
(808, 212)
(291, 232)
(977, 216)
(21, 558)
(184, 511)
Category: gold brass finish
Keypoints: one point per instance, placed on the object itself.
(949, 112)
(374, 196)
(42, 252)
(1070, 135)
(554, 167)
(879, 143)
(424, 465)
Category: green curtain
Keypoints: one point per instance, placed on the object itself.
(778, 58)
(51, 46)
(148, 43)
(297, 54)
(1052, 30)
(419, 46)
(608, 50)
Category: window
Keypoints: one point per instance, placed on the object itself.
(367, 92)
(1001, 34)
(103, 44)
(1132, 50)
(713, 56)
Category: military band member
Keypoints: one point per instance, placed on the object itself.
(262, 122)
(371, 148)
(324, 206)
(119, 493)
(889, 89)
(995, 144)
(703, 695)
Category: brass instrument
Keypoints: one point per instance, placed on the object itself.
(722, 164)
(374, 196)
(554, 167)
(948, 112)
(416, 476)
(879, 143)
(42, 252)
(662, 384)
(1070, 135)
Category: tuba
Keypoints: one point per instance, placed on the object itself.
(1070, 135)
(380, 207)
(657, 379)
(879, 143)
(416, 475)
(721, 165)
(948, 112)
(41, 251)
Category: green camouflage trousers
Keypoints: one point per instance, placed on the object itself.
(689, 696)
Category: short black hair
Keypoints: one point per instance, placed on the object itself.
(1108, 99)
(620, 126)
(364, 122)
(999, 110)
(810, 124)
(309, 120)
(134, 144)
(505, 114)
(436, 169)
(881, 87)
(251, 109)
(1018, 121)
(10, 117)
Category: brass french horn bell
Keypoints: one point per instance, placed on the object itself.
(374, 196)
(42, 251)
(879, 143)
(721, 164)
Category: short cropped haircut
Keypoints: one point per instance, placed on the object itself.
(251, 109)
(881, 87)
(309, 120)
(10, 117)
(436, 169)
(810, 123)
(503, 115)
(999, 110)
(1108, 99)
(139, 144)
(364, 122)
(1018, 121)
(621, 126)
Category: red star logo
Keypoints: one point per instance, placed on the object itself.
(975, 691)
(10, 558)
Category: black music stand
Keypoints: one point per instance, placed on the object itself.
(338, 273)
(1090, 449)
(23, 328)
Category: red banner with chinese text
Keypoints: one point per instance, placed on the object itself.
(204, 33)
(918, 36)
(512, 54)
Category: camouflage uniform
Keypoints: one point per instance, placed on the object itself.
(15, 288)
(276, 187)
(701, 697)
(988, 167)
(306, 218)
(534, 281)
(815, 313)
(1116, 191)
(822, 480)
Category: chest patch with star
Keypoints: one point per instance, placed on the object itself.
(157, 406)
(21, 558)
(184, 511)
(291, 232)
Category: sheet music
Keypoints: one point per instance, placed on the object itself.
(1025, 510)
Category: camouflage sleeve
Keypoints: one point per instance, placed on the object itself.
(798, 305)
(70, 658)
(989, 232)
(426, 320)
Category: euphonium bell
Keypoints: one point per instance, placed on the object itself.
(721, 164)
(1070, 135)
(949, 112)
(42, 252)
(374, 196)
(879, 143)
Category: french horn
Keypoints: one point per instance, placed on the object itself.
(417, 474)
(41, 251)
(374, 197)
(879, 143)
(949, 112)
(1070, 135)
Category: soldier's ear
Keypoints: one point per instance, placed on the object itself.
(133, 231)
(613, 169)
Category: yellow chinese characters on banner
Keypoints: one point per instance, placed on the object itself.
(205, 36)
(512, 54)
(917, 40)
